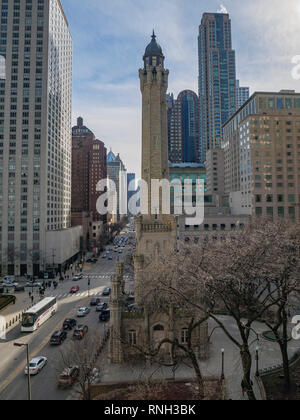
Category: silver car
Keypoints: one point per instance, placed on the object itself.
(82, 312)
(36, 365)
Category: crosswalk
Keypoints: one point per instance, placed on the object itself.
(79, 295)
(106, 276)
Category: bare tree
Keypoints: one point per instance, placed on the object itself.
(235, 275)
(284, 282)
(82, 354)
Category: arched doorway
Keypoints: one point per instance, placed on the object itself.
(158, 336)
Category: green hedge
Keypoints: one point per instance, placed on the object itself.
(6, 300)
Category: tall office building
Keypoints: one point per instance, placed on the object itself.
(217, 79)
(262, 156)
(35, 137)
(116, 169)
(184, 129)
(242, 95)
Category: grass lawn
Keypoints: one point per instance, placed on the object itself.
(274, 385)
(5, 300)
(167, 391)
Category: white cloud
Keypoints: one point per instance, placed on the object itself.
(222, 9)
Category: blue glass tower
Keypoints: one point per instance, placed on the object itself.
(184, 129)
(217, 79)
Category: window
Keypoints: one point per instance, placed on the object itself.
(2, 67)
(184, 336)
(258, 211)
(158, 328)
(132, 338)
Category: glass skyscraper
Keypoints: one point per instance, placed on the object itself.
(184, 129)
(217, 79)
(242, 95)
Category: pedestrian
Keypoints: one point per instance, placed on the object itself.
(29, 295)
(32, 299)
(244, 387)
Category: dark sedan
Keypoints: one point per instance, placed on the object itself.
(106, 292)
(69, 324)
(58, 338)
(101, 307)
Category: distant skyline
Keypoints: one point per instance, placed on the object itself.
(110, 40)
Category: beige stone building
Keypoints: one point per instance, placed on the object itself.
(261, 148)
(141, 325)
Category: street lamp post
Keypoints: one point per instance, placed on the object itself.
(223, 373)
(28, 367)
(257, 360)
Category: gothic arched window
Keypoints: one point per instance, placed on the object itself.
(158, 328)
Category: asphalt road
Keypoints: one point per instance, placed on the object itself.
(13, 382)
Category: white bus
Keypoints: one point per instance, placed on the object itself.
(38, 314)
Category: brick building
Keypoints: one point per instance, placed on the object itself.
(88, 168)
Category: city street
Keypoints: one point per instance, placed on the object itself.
(13, 360)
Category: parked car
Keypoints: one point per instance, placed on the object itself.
(106, 291)
(19, 288)
(105, 315)
(101, 306)
(74, 290)
(89, 260)
(9, 285)
(68, 377)
(78, 277)
(80, 332)
(58, 338)
(36, 365)
(82, 312)
(69, 324)
(104, 256)
(95, 301)
(33, 284)
(9, 279)
(110, 258)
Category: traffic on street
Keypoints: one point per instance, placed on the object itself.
(76, 307)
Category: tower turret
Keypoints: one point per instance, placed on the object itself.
(153, 54)
(154, 85)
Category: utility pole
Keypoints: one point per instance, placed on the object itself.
(28, 367)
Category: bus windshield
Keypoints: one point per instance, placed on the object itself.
(28, 320)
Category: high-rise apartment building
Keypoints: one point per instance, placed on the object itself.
(35, 137)
(184, 129)
(217, 79)
(262, 156)
(242, 94)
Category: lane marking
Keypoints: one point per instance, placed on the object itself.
(33, 353)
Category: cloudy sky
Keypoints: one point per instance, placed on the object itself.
(110, 39)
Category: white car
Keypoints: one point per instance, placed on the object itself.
(36, 365)
(82, 312)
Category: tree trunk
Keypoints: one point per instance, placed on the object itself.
(198, 374)
(247, 363)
